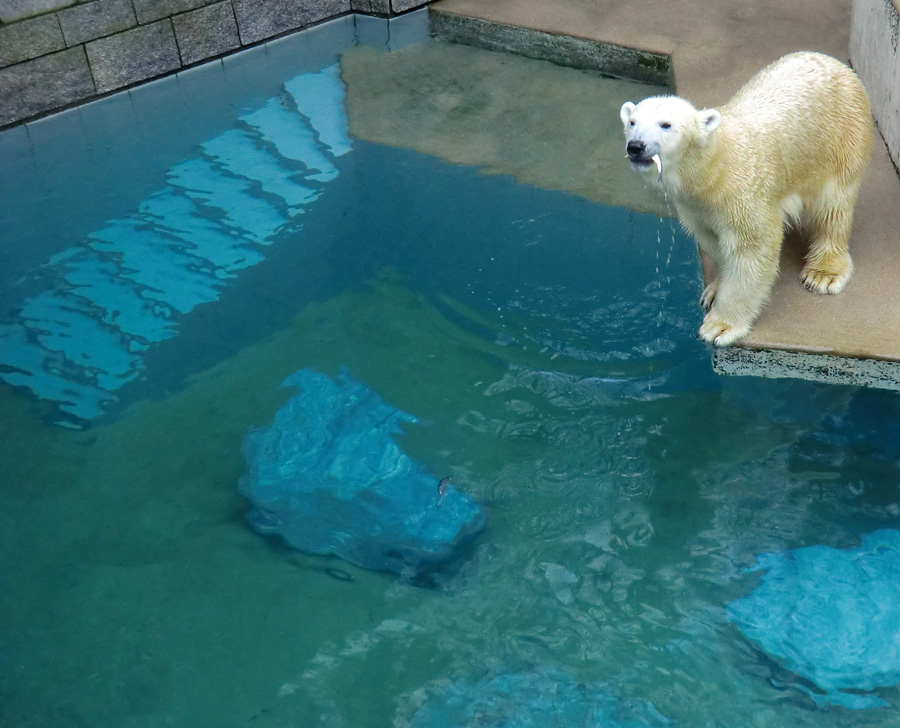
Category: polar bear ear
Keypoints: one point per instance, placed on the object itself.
(709, 120)
(625, 112)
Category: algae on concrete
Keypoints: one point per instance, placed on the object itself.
(553, 127)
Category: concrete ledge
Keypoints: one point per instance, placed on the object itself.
(875, 54)
(775, 364)
(565, 50)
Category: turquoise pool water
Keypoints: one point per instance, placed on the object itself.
(172, 254)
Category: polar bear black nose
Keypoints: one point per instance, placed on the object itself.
(635, 148)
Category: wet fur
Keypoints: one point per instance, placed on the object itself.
(790, 146)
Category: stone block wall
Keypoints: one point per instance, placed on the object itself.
(57, 53)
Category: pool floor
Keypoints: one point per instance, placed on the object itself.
(543, 341)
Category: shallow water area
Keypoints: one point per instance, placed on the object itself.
(544, 342)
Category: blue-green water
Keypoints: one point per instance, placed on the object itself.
(154, 301)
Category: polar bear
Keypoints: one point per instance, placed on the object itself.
(789, 148)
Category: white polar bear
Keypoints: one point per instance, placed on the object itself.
(791, 146)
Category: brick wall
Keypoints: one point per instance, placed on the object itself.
(56, 53)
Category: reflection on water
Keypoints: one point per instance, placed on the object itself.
(543, 343)
(104, 301)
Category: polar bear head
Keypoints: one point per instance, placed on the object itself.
(666, 126)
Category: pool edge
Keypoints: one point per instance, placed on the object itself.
(647, 66)
(820, 367)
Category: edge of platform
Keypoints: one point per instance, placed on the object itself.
(567, 50)
(815, 367)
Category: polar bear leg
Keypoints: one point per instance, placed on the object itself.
(828, 265)
(708, 242)
(743, 286)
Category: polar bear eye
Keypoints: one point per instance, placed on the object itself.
(665, 125)
(631, 123)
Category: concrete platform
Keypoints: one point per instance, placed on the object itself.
(714, 47)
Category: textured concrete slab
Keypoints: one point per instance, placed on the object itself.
(133, 56)
(566, 50)
(92, 20)
(385, 7)
(149, 10)
(261, 19)
(13, 10)
(715, 48)
(207, 32)
(742, 362)
(402, 6)
(377, 7)
(48, 82)
(29, 39)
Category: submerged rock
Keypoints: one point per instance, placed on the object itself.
(541, 699)
(327, 478)
(830, 616)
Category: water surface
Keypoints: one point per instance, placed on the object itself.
(165, 281)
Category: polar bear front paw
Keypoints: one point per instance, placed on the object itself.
(824, 282)
(709, 295)
(720, 332)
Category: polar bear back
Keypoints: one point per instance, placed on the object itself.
(810, 109)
